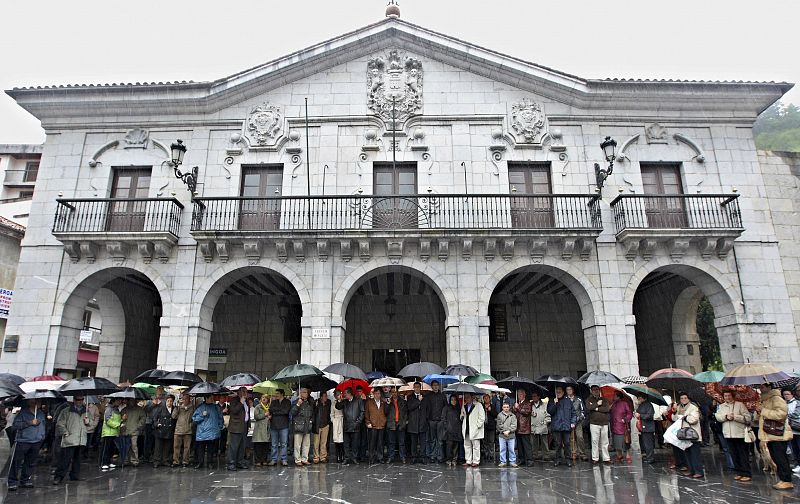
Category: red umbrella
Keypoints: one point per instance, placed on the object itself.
(47, 378)
(743, 393)
(354, 384)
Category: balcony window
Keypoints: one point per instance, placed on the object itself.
(31, 171)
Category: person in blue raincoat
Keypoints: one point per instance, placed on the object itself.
(208, 418)
(563, 420)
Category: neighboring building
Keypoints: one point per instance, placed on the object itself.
(11, 235)
(452, 217)
(19, 168)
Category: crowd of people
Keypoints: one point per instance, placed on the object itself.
(382, 425)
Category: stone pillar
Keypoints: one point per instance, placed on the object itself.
(112, 337)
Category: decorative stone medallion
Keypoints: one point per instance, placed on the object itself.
(656, 134)
(263, 124)
(527, 119)
(394, 86)
(136, 139)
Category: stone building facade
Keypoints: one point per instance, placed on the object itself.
(439, 203)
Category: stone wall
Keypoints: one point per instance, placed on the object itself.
(782, 185)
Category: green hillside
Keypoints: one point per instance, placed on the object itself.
(778, 128)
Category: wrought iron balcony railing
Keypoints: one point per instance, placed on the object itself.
(701, 211)
(412, 212)
(110, 215)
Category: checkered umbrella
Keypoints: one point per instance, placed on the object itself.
(634, 379)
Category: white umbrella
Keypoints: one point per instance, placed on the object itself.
(32, 386)
(491, 388)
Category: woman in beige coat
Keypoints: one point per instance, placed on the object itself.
(688, 414)
(773, 407)
(261, 433)
(734, 418)
(337, 428)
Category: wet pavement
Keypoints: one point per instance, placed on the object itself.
(396, 483)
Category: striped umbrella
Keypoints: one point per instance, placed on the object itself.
(756, 374)
(634, 379)
(709, 376)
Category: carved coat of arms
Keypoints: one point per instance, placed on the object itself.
(527, 119)
(394, 86)
(656, 134)
(263, 124)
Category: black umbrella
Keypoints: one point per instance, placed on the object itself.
(296, 372)
(599, 378)
(8, 389)
(520, 382)
(88, 385)
(131, 393)
(207, 389)
(420, 369)
(550, 382)
(15, 379)
(151, 376)
(673, 379)
(346, 370)
(463, 388)
(318, 383)
(460, 370)
(180, 378)
(240, 380)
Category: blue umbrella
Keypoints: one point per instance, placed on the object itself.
(441, 378)
(374, 375)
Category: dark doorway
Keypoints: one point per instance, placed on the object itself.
(664, 180)
(394, 188)
(394, 359)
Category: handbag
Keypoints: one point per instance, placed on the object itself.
(749, 435)
(627, 437)
(639, 426)
(687, 434)
(774, 427)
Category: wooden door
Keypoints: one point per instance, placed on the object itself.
(531, 200)
(263, 184)
(126, 214)
(394, 203)
(668, 209)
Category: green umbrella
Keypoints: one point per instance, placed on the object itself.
(654, 395)
(297, 372)
(709, 376)
(269, 387)
(483, 377)
(150, 389)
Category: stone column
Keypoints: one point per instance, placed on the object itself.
(112, 337)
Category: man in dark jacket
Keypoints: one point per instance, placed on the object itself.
(237, 431)
(598, 409)
(396, 423)
(522, 410)
(417, 424)
(433, 404)
(353, 410)
(279, 409)
(322, 424)
(302, 423)
(645, 413)
(563, 419)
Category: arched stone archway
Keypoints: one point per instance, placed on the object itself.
(664, 299)
(130, 303)
(394, 315)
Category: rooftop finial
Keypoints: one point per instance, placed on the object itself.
(392, 9)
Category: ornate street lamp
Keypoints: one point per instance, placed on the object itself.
(609, 146)
(516, 308)
(190, 178)
(390, 307)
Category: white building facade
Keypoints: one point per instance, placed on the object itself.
(439, 203)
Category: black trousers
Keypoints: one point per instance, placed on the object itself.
(525, 449)
(416, 439)
(351, 446)
(452, 451)
(740, 453)
(236, 449)
(777, 450)
(648, 440)
(488, 445)
(161, 453)
(206, 451)
(262, 451)
(562, 445)
(69, 458)
(376, 444)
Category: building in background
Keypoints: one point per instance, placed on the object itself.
(19, 169)
(440, 202)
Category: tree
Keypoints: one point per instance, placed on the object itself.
(710, 355)
(778, 128)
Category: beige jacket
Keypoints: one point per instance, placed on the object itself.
(741, 417)
(773, 407)
(689, 416)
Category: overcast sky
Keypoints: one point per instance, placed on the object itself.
(99, 41)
